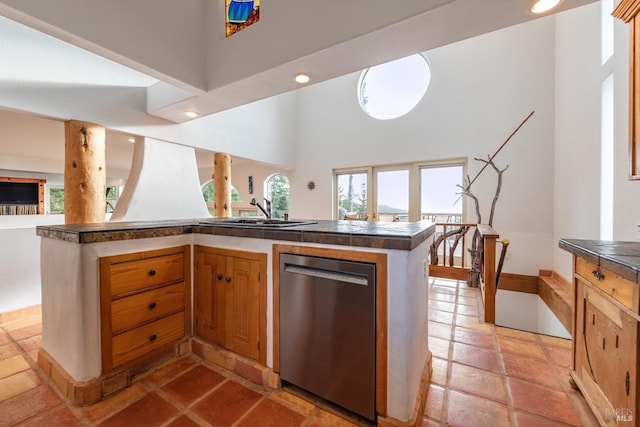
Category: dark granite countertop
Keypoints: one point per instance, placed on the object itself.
(383, 235)
(622, 258)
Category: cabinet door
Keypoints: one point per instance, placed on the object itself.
(610, 348)
(210, 296)
(606, 355)
(242, 283)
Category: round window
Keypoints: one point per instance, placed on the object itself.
(391, 90)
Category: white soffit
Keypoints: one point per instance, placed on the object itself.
(29, 56)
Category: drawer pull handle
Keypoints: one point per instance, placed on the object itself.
(152, 272)
(219, 276)
(152, 305)
(228, 279)
(153, 337)
(627, 383)
(598, 274)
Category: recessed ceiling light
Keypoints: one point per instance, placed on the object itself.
(542, 6)
(192, 114)
(302, 78)
(132, 140)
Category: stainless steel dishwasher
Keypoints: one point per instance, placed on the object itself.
(328, 329)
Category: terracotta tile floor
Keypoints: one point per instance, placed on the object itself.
(482, 376)
(186, 392)
(485, 375)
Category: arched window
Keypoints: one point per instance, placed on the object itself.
(278, 193)
(209, 194)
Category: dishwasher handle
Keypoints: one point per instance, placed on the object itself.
(356, 279)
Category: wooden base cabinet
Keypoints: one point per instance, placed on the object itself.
(605, 343)
(145, 304)
(230, 300)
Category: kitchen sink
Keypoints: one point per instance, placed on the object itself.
(256, 222)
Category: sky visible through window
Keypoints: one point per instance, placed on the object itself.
(392, 89)
(438, 189)
(393, 190)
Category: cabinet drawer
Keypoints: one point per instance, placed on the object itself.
(619, 288)
(131, 311)
(137, 342)
(130, 276)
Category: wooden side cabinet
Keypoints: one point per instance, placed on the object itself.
(145, 304)
(605, 343)
(230, 300)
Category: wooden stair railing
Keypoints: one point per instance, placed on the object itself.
(443, 260)
(552, 289)
(486, 247)
(488, 277)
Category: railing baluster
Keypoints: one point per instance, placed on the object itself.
(489, 237)
(460, 271)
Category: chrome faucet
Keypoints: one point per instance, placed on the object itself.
(266, 212)
(267, 206)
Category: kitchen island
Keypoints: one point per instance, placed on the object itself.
(75, 257)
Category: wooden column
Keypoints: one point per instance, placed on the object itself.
(222, 184)
(84, 173)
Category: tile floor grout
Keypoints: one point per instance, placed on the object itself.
(451, 403)
(511, 412)
(150, 387)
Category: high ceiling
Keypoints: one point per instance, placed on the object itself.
(184, 62)
(135, 66)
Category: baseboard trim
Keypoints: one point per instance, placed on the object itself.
(242, 366)
(78, 393)
(82, 393)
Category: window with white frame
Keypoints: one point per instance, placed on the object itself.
(404, 192)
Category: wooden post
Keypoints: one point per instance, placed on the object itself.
(85, 177)
(222, 185)
(489, 237)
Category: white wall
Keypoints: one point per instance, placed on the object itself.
(20, 259)
(481, 89)
(20, 247)
(163, 184)
(577, 131)
(30, 143)
(579, 75)
(527, 312)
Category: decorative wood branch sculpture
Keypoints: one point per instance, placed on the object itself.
(466, 191)
(498, 187)
(433, 250)
(461, 232)
(476, 251)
